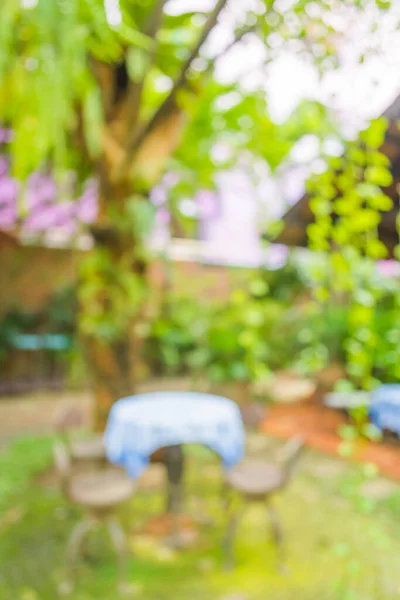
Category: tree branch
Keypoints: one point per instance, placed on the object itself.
(238, 38)
(136, 88)
(138, 137)
(154, 21)
(104, 75)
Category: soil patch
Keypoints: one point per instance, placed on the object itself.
(319, 426)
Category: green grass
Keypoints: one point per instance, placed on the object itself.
(340, 545)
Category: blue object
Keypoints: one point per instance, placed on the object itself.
(139, 425)
(385, 408)
(49, 341)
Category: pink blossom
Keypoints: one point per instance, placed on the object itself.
(158, 196)
(8, 190)
(56, 215)
(40, 198)
(170, 180)
(8, 217)
(163, 216)
(40, 190)
(388, 268)
(40, 221)
(86, 209)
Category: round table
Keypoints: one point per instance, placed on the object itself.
(141, 424)
(384, 410)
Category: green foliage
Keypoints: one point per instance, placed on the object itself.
(348, 204)
(226, 117)
(374, 135)
(136, 220)
(237, 340)
(284, 284)
(59, 315)
(45, 72)
(273, 323)
(110, 294)
(112, 288)
(311, 117)
(223, 342)
(359, 428)
(177, 332)
(66, 70)
(12, 323)
(49, 80)
(344, 324)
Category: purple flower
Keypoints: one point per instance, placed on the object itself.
(64, 213)
(35, 179)
(41, 189)
(158, 195)
(48, 190)
(388, 268)
(49, 216)
(87, 206)
(8, 190)
(39, 221)
(3, 166)
(170, 180)
(163, 216)
(41, 196)
(8, 217)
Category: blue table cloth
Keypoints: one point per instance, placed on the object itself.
(141, 424)
(385, 407)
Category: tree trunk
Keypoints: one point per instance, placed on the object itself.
(113, 294)
(118, 265)
(111, 368)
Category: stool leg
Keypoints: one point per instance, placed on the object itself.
(74, 549)
(277, 535)
(119, 542)
(226, 494)
(229, 541)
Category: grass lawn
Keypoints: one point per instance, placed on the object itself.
(341, 523)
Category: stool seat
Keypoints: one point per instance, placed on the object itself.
(99, 492)
(256, 478)
(102, 490)
(90, 449)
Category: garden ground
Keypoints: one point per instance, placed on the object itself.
(320, 427)
(341, 524)
(38, 413)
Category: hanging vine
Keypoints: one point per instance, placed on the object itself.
(347, 202)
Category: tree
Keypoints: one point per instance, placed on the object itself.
(125, 90)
